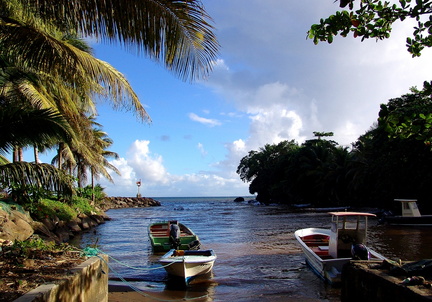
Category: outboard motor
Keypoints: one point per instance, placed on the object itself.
(359, 252)
(194, 245)
(175, 236)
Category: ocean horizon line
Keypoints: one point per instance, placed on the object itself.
(231, 196)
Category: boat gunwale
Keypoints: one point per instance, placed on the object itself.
(189, 232)
(313, 231)
(340, 214)
(169, 258)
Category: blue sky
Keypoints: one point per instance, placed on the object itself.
(269, 84)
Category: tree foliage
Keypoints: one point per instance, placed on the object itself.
(295, 173)
(409, 116)
(21, 176)
(374, 19)
(391, 160)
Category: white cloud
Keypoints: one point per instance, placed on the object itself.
(291, 87)
(148, 167)
(142, 164)
(201, 149)
(205, 121)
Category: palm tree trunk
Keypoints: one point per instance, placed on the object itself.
(15, 154)
(36, 155)
(92, 185)
(60, 159)
(21, 154)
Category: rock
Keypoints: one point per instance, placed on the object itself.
(104, 216)
(98, 219)
(44, 232)
(49, 224)
(15, 226)
(63, 232)
(86, 222)
(127, 202)
(238, 199)
(17, 214)
(3, 216)
(73, 225)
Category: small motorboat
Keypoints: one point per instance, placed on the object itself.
(328, 250)
(188, 264)
(410, 215)
(167, 235)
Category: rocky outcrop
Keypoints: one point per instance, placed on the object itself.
(15, 224)
(127, 202)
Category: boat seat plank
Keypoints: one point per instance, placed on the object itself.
(316, 242)
(319, 252)
(164, 234)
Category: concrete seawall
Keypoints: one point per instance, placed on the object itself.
(87, 283)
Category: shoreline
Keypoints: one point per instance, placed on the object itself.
(121, 293)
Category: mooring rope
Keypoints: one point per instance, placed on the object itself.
(95, 252)
(89, 251)
(141, 292)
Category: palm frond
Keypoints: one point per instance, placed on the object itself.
(46, 125)
(41, 175)
(39, 51)
(177, 33)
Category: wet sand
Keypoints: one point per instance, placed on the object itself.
(122, 293)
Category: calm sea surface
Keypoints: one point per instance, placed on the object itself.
(258, 256)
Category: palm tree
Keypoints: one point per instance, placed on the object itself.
(96, 142)
(38, 42)
(101, 143)
(46, 126)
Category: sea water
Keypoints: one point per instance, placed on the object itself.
(258, 256)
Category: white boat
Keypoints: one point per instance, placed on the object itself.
(410, 215)
(328, 250)
(188, 263)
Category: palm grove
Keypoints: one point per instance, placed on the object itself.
(51, 83)
(391, 160)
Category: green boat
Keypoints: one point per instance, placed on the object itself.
(167, 235)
